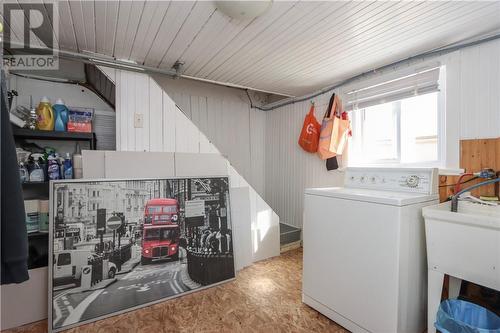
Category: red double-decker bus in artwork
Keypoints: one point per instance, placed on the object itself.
(160, 237)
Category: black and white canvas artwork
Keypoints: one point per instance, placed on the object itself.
(120, 245)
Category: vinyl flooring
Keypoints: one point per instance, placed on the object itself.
(265, 297)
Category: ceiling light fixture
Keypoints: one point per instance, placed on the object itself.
(244, 10)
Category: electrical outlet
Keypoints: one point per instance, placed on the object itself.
(138, 120)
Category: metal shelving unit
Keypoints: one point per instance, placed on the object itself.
(39, 241)
(23, 133)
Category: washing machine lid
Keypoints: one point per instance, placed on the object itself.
(392, 198)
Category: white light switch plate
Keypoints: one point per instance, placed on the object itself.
(138, 120)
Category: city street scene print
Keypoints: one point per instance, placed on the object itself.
(118, 245)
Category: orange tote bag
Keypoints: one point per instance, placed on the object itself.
(326, 130)
(309, 136)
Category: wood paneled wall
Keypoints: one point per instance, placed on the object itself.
(472, 97)
(475, 155)
(166, 128)
(225, 117)
(289, 169)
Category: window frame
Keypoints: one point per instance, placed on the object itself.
(358, 116)
(361, 117)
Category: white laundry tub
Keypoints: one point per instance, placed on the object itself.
(465, 245)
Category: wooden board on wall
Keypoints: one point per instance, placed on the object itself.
(475, 155)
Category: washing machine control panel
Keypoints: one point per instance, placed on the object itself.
(417, 180)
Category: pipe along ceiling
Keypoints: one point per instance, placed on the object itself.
(177, 71)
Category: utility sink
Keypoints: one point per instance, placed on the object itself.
(472, 213)
(464, 245)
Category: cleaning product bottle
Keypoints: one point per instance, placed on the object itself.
(23, 173)
(61, 115)
(43, 162)
(60, 164)
(22, 157)
(45, 121)
(36, 173)
(53, 168)
(68, 167)
(77, 163)
(62, 167)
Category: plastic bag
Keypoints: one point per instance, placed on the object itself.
(309, 136)
(456, 316)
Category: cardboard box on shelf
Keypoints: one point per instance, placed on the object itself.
(32, 215)
(43, 222)
(80, 119)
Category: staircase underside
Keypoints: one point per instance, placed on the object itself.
(289, 237)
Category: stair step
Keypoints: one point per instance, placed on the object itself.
(289, 234)
(290, 246)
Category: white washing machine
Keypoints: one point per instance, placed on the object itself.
(364, 249)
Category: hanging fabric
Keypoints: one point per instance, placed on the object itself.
(14, 259)
(309, 136)
(326, 129)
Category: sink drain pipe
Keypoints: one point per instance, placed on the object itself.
(454, 198)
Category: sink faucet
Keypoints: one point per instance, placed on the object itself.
(454, 198)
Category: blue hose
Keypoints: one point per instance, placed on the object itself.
(454, 199)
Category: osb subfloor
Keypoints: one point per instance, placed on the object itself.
(265, 297)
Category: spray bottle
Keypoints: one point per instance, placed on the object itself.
(37, 174)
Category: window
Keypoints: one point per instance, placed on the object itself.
(164, 209)
(154, 209)
(64, 259)
(403, 132)
(397, 125)
(160, 234)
